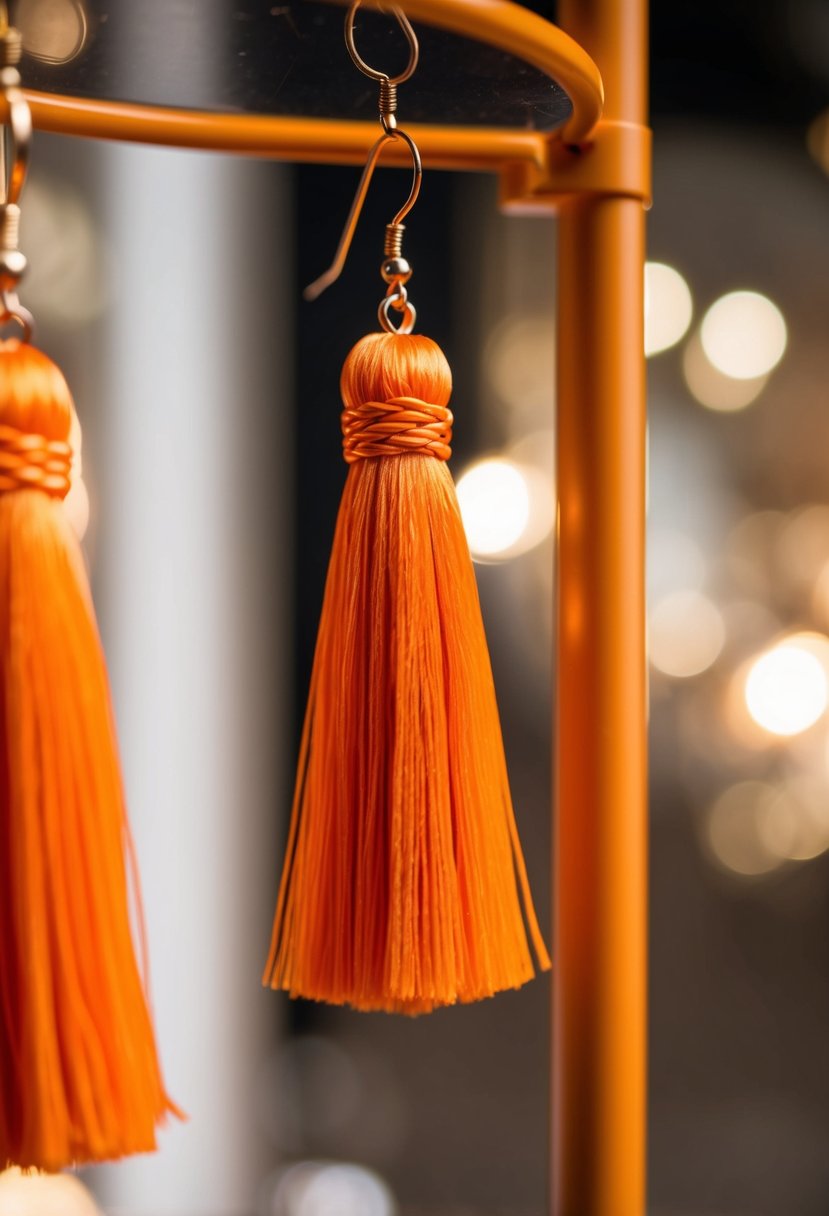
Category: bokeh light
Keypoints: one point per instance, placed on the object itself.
(820, 597)
(813, 643)
(323, 1188)
(685, 634)
(668, 307)
(802, 545)
(535, 455)
(743, 335)
(795, 823)
(35, 1194)
(786, 689)
(711, 387)
(749, 625)
(494, 499)
(520, 364)
(734, 829)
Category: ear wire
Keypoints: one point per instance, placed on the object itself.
(395, 270)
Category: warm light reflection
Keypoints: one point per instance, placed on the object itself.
(520, 364)
(742, 730)
(76, 502)
(786, 689)
(820, 597)
(68, 283)
(322, 1188)
(76, 506)
(711, 387)
(802, 544)
(494, 499)
(813, 643)
(818, 140)
(734, 830)
(76, 443)
(54, 31)
(34, 1194)
(795, 823)
(668, 307)
(749, 626)
(685, 634)
(743, 335)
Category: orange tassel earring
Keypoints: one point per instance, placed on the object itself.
(404, 887)
(79, 1075)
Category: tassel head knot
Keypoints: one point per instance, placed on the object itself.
(35, 417)
(396, 389)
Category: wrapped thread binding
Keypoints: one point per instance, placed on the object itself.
(404, 887)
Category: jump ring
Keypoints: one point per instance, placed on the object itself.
(407, 321)
(372, 73)
(13, 310)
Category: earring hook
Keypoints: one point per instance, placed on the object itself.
(395, 270)
(14, 148)
(19, 119)
(315, 289)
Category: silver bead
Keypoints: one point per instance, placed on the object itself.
(12, 268)
(396, 270)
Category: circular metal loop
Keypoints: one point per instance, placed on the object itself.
(12, 310)
(399, 300)
(411, 38)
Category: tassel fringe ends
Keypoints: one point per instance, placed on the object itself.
(79, 1076)
(404, 887)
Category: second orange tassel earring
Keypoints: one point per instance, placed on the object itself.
(403, 887)
(80, 1079)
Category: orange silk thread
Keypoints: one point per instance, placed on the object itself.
(403, 886)
(80, 1079)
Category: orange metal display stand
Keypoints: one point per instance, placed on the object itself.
(600, 956)
(595, 172)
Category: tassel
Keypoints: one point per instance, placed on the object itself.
(79, 1076)
(403, 882)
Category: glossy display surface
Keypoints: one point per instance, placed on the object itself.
(255, 57)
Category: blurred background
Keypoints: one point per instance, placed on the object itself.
(168, 286)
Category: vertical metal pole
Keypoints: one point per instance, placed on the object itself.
(599, 1039)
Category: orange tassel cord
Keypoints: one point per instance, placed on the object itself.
(403, 887)
(79, 1075)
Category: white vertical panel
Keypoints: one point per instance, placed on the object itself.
(192, 547)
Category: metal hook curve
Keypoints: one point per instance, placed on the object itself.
(411, 38)
(20, 132)
(12, 310)
(17, 136)
(315, 289)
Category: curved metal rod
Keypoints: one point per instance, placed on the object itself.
(20, 130)
(411, 38)
(315, 289)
